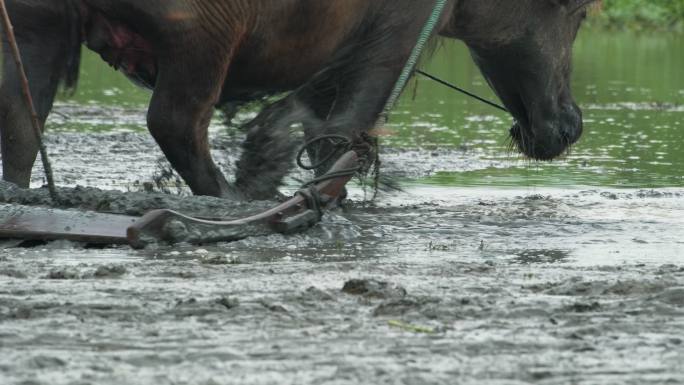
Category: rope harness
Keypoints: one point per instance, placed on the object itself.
(342, 144)
(461, 90)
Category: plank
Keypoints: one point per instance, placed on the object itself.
(47, 224)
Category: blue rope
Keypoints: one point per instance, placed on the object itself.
(407, 72)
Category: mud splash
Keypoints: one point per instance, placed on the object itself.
(128, 203)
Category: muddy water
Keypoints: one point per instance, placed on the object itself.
(486, 269)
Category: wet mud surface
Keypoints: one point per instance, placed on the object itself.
(432, 285)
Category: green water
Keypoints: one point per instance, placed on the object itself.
(630, 86)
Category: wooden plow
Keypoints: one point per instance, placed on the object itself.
(297, 214)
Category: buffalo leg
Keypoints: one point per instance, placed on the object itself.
(268, 150)
(360, 81)
(326, 105)
(352, 112)
(19, 141)
(178, 118)
(50, 52)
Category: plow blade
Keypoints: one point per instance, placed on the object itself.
(297, 214)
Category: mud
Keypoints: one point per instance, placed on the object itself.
(127, 203)
(432, 285)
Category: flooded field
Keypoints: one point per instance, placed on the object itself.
(486, 269)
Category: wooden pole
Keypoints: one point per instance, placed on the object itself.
(9, 32)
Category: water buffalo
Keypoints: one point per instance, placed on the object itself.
(338, 59)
